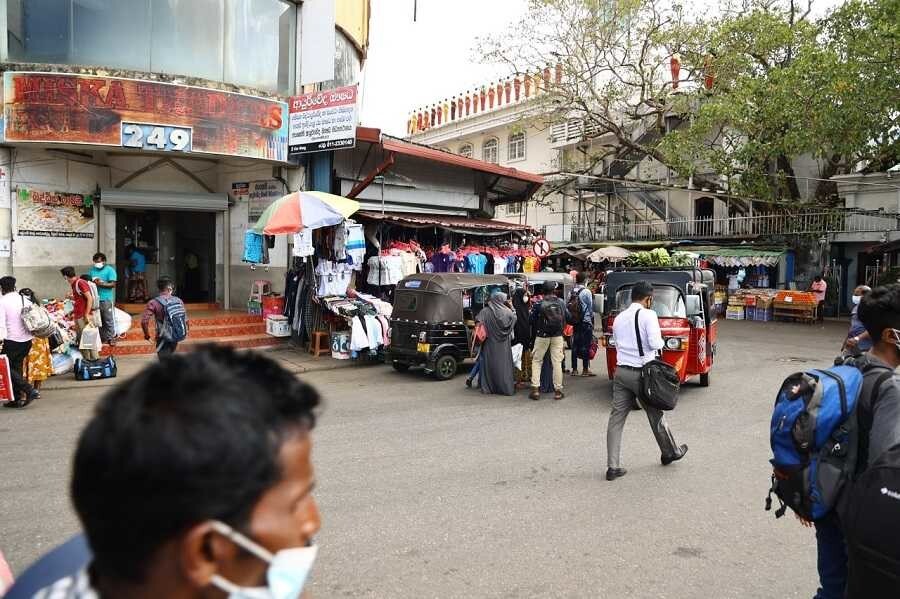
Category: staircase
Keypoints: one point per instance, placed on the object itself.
(208, 324)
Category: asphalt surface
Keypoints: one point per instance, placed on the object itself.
(430, 489)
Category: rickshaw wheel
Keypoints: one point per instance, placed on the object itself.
(704, 379)
(445, 368)
(400, 366)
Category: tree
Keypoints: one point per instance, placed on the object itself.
(759, 87)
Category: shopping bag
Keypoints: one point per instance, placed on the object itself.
(6, 385)
(517, 355)
(90, 339)
(480, 332)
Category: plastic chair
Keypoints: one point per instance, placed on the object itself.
(259, 289)
(320, 344)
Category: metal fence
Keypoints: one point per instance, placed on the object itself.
(799, 223)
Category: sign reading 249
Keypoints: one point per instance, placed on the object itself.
(146, 136)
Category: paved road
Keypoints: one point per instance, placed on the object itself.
(428, 489)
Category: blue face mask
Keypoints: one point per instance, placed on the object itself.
(287, 573)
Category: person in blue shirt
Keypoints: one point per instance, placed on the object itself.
(104, 276)
(136, 274)
(858, 340)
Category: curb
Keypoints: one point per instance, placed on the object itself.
(131, 365)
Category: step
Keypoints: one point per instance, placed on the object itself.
(135, 348)
(139, 308)
(211, 320)
(206, 331)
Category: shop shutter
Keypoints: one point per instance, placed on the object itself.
(164, 200)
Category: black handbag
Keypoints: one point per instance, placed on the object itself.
(659, 381)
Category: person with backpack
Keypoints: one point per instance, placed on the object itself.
(549, 317)
(170, 315)
(16, 341)
(581, 312)
(637, 319)
(870, 509)
(86, 305)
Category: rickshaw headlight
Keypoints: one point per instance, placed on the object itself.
(423, 337)
(676, 343)
(609, 341)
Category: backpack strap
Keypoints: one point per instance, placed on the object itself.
(637, 332)
(877, 387)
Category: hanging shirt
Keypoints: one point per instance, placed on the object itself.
(409, 263)
(340, 242)
(443, 262)
(499, 265)
(333, 278)
(303, 244)
(253, 247)
(476, 263)
(356, 245)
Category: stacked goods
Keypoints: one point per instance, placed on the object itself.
(795, 305)
(720, 300)
(763, 311)
(735, 310)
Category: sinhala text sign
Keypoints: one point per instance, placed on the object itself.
(323, 120)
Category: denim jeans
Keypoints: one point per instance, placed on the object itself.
(832, 558)
(476, 368)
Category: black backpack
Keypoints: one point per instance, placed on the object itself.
(871, 523)
(574, 306)
(552, 318)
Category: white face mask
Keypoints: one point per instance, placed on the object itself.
(98, 265)
(287, 573)
(855, 299)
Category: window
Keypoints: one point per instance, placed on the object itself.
(346, 63)
(491, 151)
(465, 150)
(246, 42)
(514, 208)
(516, 149)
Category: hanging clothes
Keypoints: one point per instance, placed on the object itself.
(253, 247)
(303, 243)
(356, 245)
(359, 337)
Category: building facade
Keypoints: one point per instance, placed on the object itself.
(159, 124)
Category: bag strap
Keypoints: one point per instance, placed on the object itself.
(637, 332)
(877, 387)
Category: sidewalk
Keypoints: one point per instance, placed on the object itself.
(291, 358)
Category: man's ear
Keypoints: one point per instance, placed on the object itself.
(203, 553)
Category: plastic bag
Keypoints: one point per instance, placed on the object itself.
(62, 363)
(123, 322)
(517, 355)
(90, 339)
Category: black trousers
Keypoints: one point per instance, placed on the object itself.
(581, 343)
(164, 348)
(16, 352)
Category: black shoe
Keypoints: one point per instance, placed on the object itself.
(614, 473)
(668, 460)
(469, 383)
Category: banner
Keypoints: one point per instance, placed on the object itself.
(54, 214)
(323, 120)
(261, 196)
(145, 115)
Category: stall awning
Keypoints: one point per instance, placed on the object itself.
(455, 224)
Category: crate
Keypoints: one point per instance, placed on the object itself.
(278, 326)
(735, 313)
(254, 307)
(763, 314)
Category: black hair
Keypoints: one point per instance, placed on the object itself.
(7, 284)
(879, 310)
(191, 438)
(99, 256)
(85, 277)
(817, 278)
(581, 277)
(641, 291)
(67, 271)
(30, 294)
(549, 287)
(164, 283)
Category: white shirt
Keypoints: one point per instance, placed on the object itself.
(626, 343)
(12, 326)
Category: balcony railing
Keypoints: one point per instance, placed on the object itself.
(802, 223)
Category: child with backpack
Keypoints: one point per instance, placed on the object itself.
(171, 318)
(835, 438)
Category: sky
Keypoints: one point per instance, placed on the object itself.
(411, 64)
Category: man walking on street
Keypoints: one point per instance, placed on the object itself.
(638, 319)
(159, 309)
(84, 306)
(581, 310)
(16, 341)
(549, 318)
(104, 276)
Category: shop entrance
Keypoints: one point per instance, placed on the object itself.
(180, 245)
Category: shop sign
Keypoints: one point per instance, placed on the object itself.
(323, 120)
(145, 115)
(261, 195)
(54, 214)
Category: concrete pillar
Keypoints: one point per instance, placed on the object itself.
(6, 199)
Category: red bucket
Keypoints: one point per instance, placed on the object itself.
(272, 305)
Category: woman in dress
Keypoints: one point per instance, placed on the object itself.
(496, 353)
(38, 364)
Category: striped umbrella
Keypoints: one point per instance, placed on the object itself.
(304, 210)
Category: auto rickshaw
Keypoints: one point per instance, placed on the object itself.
(434, 319)
(683, 301)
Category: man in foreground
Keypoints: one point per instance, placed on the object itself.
(15, 341)
(627, 382)
(194, 480)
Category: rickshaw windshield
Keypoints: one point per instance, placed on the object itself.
(667, 302)
(406, 302)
